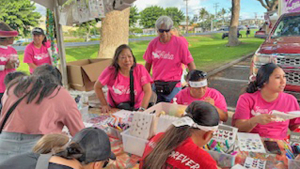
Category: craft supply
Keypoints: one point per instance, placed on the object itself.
(164, 122)
(254, 163)
(250, 142)
(281, 116)
(225, 132)
(141, 125)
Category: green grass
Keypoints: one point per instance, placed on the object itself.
(208, 51)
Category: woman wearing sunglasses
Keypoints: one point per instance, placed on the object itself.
(184, 140)
(197, 90)
(164, 55)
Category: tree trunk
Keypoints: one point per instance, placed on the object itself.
(232, 36)
(114, 32)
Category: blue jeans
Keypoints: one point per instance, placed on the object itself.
(12, 144)
(166, 98)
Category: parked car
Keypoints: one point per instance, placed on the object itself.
(18, 42)
(261, 34)
(282, 47)
(225, 34)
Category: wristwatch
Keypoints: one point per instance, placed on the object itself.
(142, 108)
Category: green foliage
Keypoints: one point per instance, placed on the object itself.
(134, 16)
(149, 16)
(176, 15)
(19, 15)
(136, 30)
(84, 29)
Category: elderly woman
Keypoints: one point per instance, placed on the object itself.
(197, 90)
(118, 80)
(164, 55)
(36, 53)
(34, 106)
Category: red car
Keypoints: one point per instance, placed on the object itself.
(282, 47)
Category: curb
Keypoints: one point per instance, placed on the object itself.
(215, 71)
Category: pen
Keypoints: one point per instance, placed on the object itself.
(288, 156)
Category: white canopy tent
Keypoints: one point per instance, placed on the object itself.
(55, 6)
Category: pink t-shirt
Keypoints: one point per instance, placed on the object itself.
(6, 53)
(37, 56)
(50, 116)
(166, 59)
(184, 97)
(252, 104)
(119, 88)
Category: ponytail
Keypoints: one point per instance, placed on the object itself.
(44, 40)
(251, 87)
(73, 151)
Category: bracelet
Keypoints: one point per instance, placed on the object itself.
(142, 108)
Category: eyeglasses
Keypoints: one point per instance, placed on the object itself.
(163, 30)
(105, 163)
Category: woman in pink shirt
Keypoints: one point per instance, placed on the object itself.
(264, 96)
(165, 55)
(117, 79)
(44, 107)
(197, 90)
(36, 53)
(8, 56)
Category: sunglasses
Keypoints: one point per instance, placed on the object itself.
(163, 30)
(105, 163)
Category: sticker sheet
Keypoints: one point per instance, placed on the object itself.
(281, 116)
(254, 163)
(250, 142)
(225, 132)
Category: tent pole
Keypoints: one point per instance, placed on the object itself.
(60, 44)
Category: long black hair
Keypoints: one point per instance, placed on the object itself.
(262, 77)
(196, 75)
(201, 112)
(116, 57)
(42, 83)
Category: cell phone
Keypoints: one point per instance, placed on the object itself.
(272, 147)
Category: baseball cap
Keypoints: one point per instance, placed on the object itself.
(95, 144)
(37, 31)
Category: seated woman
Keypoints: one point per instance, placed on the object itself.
(39, 105)
(265, 95)
(197, 90)
(89, 149)
(184, 139)
(117, 79)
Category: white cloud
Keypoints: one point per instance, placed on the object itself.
(41, 9)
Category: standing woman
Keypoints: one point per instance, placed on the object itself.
(44, 107)
(36, 53)
(264, 96)
(117, 79)
(8, 56)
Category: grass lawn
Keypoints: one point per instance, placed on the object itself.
(208, 51)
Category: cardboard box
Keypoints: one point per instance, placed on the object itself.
(82, 74)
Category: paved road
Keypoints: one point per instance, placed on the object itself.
(232, 81)
(74, 44)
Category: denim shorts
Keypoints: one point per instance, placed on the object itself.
(12, 144)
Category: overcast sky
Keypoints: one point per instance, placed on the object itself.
(248, 7)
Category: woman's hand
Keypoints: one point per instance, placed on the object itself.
(210, 100)
(263, 119)
(105, 109)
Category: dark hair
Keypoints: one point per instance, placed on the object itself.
(262, 77)
(4, 27)
(42, 83)
(195, 75)
(73, 151)
(12, 76)
(201, 112)
(42, 33)
(116, 57)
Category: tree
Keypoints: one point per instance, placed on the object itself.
(203, 14)
(232, 36)
(270, 5)
(134, 16)
(19, 15)
(114, 32)
(85, 28)
(176, 15)
(149, 16)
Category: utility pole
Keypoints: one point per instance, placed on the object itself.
(216, 5)
(255, 13)
(186, 17)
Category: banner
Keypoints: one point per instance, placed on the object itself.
(288, 6)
